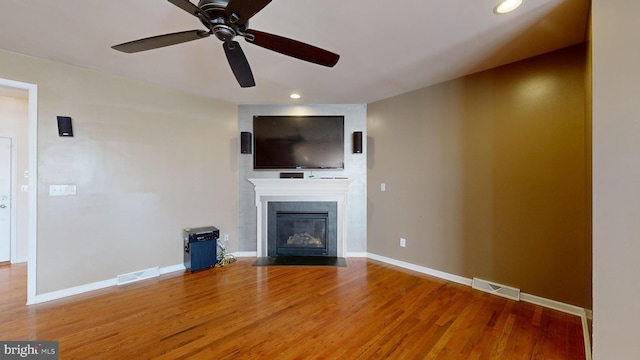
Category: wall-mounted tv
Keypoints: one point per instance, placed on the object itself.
(298, 142)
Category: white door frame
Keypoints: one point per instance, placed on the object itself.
(32, 223)
(13, 257)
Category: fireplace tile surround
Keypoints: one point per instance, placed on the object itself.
(303, 190)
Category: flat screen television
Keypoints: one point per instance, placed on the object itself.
(298, 142)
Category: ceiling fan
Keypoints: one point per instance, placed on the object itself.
(227, 19)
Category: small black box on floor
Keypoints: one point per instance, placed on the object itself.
(200, 247)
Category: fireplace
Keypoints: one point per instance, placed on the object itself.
(269, 191)
(302, 228)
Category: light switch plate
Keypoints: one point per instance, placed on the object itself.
(62, 190)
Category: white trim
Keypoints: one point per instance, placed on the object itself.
(249, 254)
(20, 260)
(14, 200)
(33, 185)
(585, 333)
(172, 268)
(33, 194)
(326, 190)
(552, 304)
(589, 314)
(13, 195)
(76, 290)
(422, 269)
(357, 254)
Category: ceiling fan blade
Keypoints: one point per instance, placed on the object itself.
(292, 48)
(160, 41)
(239, 64)
(189, 7)
(244, 9)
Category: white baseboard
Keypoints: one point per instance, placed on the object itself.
(552, 304)
(357, 254)
(76, 290)
(422, 269)
(240, 254)
(586, 334)
(19, 260)
(173, 268)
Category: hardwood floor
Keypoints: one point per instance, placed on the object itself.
(367, 310)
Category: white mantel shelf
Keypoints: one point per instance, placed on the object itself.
(300, 187)
(326, 189)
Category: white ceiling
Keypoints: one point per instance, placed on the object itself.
(386, 48)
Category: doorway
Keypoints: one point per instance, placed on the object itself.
(6, 218)
(31, 91)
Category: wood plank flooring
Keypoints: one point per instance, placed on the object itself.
(367, 310)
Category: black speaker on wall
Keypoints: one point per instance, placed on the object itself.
(245, 142)
(357, 142)
(64, 126)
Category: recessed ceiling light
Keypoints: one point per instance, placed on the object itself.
(294, 96)
(507, 6)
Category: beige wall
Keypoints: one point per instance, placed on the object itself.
(486, 177)
(147, 163)
(616, 179)
(14, 123)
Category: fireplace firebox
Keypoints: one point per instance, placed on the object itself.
(302, 228)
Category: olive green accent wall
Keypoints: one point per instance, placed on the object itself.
(486, 176)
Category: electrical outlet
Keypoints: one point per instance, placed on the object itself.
(226, 237)
(383, 187)
(403, 242)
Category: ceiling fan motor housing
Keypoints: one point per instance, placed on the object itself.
(222, 27)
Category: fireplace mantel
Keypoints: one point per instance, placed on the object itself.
(317, 189)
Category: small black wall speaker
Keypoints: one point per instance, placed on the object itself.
(245, 142)
(64, 126)
(357, 142)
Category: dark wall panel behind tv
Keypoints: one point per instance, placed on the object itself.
(298, 142)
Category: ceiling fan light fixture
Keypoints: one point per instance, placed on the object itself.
(295, 96)
(507, 6)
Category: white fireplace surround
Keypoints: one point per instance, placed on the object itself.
(330, 190)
